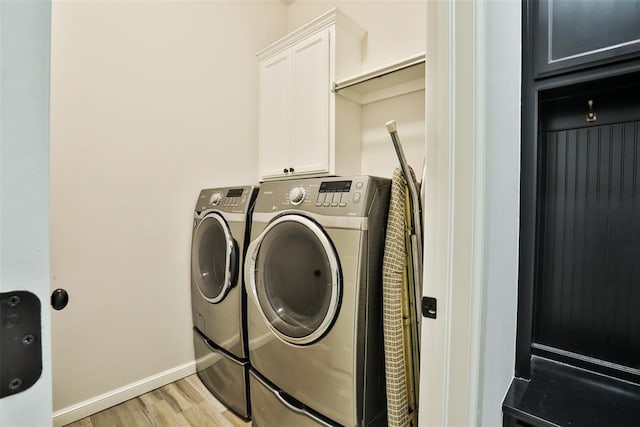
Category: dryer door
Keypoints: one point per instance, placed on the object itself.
(214, 258)
(294, 277)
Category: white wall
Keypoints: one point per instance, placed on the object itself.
(502, 180)
(378, 155)
(395, 30)
(151, 101)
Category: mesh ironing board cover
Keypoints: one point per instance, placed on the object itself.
(396, 263)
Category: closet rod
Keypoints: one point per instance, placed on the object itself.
(362, 78)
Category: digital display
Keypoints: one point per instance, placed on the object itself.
(335, 187)
(236, 192)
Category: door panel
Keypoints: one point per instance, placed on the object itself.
(24, 173)
(275, 115)
(311, 91)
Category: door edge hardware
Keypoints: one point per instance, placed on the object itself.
(591, 115)
(20, 342)
(429, 307)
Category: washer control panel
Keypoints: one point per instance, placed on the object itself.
(232, 199)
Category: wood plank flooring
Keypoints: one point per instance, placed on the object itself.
(184, 403)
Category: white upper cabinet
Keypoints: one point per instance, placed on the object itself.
(303, 130)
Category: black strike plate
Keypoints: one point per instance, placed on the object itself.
(20, 344)
(429, 307)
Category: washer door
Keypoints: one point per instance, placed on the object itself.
(214, 258)
(294, 278)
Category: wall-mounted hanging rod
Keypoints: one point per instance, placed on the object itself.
(412, 61)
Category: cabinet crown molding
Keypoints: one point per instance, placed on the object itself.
(326, 20)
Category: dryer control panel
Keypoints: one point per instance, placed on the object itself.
(335, 196)
(228, 199)
(338, 193)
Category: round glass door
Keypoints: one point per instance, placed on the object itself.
(214, 256)
(295, 278)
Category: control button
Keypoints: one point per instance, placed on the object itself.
(359, 184)
(326, 204)
(215, 198)
(356, 197)
(336, 199)
(320, 199)
(296, 195)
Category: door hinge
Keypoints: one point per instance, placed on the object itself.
(20, 342)
(429, 307)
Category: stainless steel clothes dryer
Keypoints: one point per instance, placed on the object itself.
(313, 277)
(218, 299)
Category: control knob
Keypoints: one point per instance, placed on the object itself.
(296, 195)
(215, 198)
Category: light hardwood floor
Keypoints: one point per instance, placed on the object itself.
(184, 403)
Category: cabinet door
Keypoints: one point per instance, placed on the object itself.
(311, 91)
(275, 115)
(570, 35)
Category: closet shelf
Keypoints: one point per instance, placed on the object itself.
(392, 80)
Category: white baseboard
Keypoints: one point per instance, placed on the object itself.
(96, 404)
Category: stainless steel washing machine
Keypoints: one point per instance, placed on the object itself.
(313, 277)
(218, 300)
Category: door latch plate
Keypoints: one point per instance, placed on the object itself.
(429, 307)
